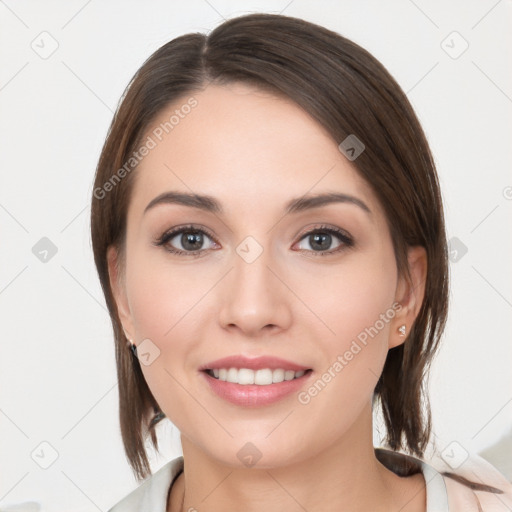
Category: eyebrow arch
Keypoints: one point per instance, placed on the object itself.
(210, 204)
(307, 202)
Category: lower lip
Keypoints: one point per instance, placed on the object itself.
(252, 395)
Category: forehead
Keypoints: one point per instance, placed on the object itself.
(244, 146)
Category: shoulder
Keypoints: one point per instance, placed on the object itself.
(152, 493)
(475, 483)
(471, 485)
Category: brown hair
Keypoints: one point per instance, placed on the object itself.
(349, 92)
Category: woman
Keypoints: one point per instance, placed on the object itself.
(268, 230)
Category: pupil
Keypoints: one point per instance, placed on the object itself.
(318, 238)
(191, 241)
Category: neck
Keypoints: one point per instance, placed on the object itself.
(347, 474)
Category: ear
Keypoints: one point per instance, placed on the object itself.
(409, 294)
(119, 291)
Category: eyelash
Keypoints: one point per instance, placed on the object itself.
(345, 238)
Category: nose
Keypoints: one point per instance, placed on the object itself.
(254, 297)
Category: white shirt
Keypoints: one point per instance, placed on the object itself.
(443, 493)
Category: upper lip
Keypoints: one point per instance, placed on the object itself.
(253, 363)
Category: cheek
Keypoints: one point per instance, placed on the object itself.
(164, 303)
(355, 305)
(353, 297)
(167, 303)
(162, 296)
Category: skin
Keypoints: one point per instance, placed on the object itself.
(254, 152)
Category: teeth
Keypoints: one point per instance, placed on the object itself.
(262, 377)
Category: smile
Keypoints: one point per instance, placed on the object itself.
(255, 388)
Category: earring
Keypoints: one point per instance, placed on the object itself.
(402, 330)
(159, 416)
(133, 347)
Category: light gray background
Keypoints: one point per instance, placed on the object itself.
(58, 384)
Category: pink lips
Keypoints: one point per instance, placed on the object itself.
(253, 395)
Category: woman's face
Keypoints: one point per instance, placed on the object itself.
(253, 279)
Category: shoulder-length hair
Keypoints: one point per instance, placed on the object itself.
(349, 92)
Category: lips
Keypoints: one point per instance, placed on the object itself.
(249, 382)
(252, 395)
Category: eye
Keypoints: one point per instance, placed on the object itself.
(189, 241)
(186, 240)
(320, 240)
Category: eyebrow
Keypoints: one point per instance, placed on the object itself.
(210, 204)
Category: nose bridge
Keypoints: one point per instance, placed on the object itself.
(253, 297)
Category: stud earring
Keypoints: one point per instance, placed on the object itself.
(402, 330)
